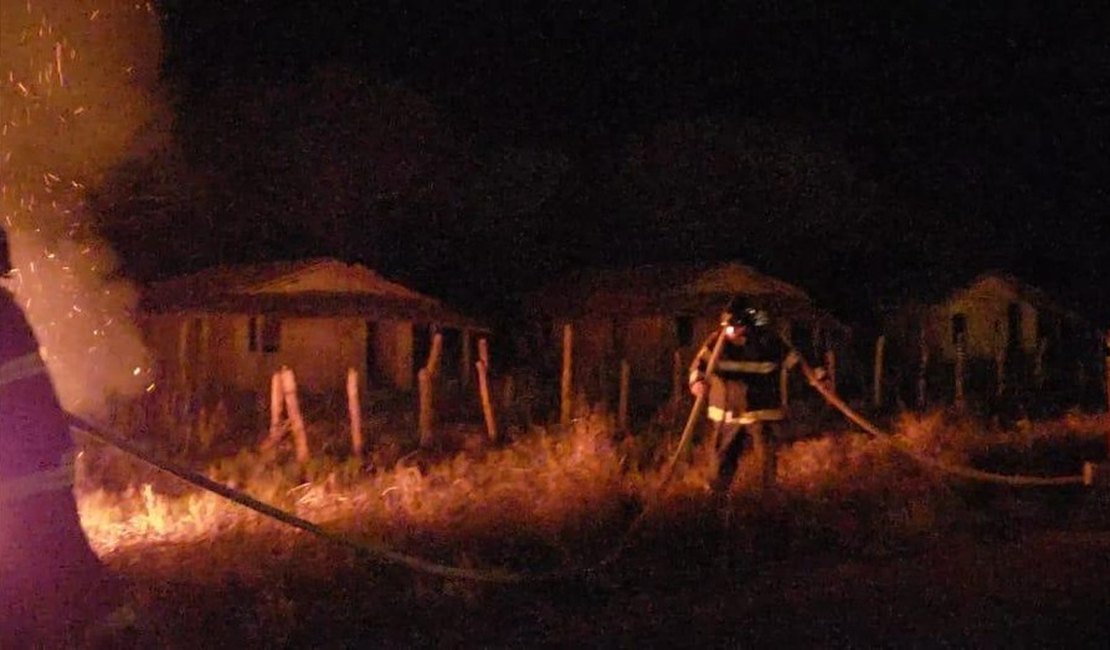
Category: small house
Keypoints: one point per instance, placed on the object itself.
(1002, 331)
(655, 317)
(232, 327)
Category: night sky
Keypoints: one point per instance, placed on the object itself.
(475, 149)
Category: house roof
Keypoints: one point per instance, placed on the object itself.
(314, 287)
(998, 282)
(987, 285)
(673, 288)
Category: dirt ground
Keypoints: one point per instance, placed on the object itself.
(1041, 586)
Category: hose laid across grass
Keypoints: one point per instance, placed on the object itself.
(381, 553)
(1016, 480)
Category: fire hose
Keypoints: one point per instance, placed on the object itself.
(378, 552)
(387, 555)
(900, 446)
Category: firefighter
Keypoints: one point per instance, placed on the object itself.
(743, 390)
(54, 590)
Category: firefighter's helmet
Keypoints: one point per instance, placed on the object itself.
(740, 312)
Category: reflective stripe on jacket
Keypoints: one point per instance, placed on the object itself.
(24, 367)
(718, 414)
(28, 485)
(34, 432)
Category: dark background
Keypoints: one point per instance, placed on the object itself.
(867, 152)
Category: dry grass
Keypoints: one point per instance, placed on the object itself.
(554, 488)
(549, 500)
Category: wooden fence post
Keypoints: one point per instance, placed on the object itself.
(354, 410)
(483, 389)
(622, 403)
(277, 401)
(566, 384)
(426, 384)
(880, 347)
(292, 406)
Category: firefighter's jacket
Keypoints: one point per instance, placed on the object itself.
(746, 382)
(35, 445)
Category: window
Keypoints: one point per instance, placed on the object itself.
(959, 327)
(264, 334)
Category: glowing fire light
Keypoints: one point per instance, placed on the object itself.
(76, 98)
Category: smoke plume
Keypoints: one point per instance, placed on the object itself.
(78, 94)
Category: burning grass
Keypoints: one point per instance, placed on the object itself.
(549, 501)
(554, 499)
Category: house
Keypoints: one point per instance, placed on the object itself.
(231, 327)
(1011, 333)
(656, 317)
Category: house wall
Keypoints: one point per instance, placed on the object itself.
(161, 337)
(320, 350)
(228, 362)
(649, 344)
(393, 348)
(988, 326)
(594, 353)
(211, 351)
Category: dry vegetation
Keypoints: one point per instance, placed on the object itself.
(213, 573)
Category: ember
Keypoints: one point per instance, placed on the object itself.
(78, 97)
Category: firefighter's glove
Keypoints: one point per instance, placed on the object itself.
(697, 388)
